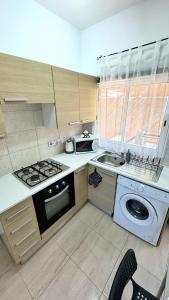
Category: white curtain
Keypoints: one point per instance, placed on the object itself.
(133, 93)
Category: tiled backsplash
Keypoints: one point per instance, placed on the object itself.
(27, 140)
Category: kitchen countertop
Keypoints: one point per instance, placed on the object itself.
(13, 191)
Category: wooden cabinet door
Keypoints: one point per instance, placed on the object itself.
(25, 80)
(103, 196)
(81, 190)
(2, 124)
(87, 92)
(66, 96)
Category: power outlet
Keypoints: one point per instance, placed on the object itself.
(54, 142)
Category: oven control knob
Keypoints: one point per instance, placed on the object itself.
(63, 183)
(50, 191)
(140, 188)
(57, 186)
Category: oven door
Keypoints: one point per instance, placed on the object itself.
(50, 209)
(56, 204)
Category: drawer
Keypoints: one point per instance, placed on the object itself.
(24, 245)
(20, 222)
(17, 211)
(23, 230)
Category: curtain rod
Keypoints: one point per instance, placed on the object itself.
(111, 54)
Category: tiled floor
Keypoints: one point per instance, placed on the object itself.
(80, 262)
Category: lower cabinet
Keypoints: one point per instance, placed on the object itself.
(103, 195)
(2, 124)
(20, 231)
(81, 190)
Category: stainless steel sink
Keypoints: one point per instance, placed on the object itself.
(108, 159)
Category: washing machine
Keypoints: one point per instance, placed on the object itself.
(141, 209)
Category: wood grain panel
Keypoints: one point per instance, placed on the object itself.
(25, 79)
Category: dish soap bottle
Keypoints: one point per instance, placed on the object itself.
(128, 156)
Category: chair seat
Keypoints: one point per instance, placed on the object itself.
(141, 294)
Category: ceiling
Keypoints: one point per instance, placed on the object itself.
(84, 13)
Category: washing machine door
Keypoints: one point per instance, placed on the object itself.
(138, 209)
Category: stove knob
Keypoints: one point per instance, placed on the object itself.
(140, 188)
(50, 191)
(63, 183)
(57, 186)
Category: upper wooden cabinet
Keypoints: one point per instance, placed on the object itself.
(75, 96)
(87, 95)
(66, 96)
(25, 80)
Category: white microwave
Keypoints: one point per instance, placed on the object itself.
(85, 145)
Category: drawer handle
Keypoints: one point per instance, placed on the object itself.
(25, 237)
(73, 123)
(8, 99)
(22, 225)
(86, 121)
(18, 212)
(107, 173)
(29, 248)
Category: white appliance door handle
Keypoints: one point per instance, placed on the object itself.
(58, 195)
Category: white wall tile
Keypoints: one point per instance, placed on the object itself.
(70, 131)
(24, 158)
(21, 140)
(3, 147)
(46, 151)
(5, 165)
(18, 121)
(44, 135)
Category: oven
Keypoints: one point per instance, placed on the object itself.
(54, 201)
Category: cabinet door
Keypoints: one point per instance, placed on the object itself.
(103, 195)
(66, 96)
(87, 91)
(81, 181)
(25, 80)
(2, 124)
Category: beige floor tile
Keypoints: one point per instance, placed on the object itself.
(6, 261)
(103, 297)
(71, 235)
(111, 232)
(41, 269)
(12, 286)
(90, 215)
(71, 284)
(153, 259)
(141, 276)
(96, 258)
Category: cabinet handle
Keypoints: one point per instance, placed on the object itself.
(86, 121)
(107, 173)
(29, 248)
(25, 237)
(80, 169)
(11, 99)
(73, 123)
(22, 225)
(18, 212)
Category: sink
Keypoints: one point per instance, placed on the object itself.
(113, 160)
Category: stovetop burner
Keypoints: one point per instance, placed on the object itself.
(35, 178)
(26, 171)
(40, 171)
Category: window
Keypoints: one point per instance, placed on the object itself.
(131, 115)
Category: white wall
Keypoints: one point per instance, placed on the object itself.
(142, 23)
(30, 31)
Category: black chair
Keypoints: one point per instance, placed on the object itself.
(124, 274)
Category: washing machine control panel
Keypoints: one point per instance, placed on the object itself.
(144, 190)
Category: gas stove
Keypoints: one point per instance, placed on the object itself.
(40, 171)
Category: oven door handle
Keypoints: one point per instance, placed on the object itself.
(56, 196)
